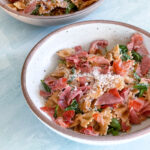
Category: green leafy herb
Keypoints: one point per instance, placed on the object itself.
(74, 106)
(124, 52)
(70, 7)
(125, 57)
(46, 87)
(113, 131)
(70, 80)
(114, 127)
(99, 109)
(36, 10)
(123, 49)
(136, 56)
(62, 61)
(73, 70)
(55, 112)
(137, 77)
(142, 88)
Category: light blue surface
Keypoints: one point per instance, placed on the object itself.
(19, 128)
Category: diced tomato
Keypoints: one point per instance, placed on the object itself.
(122, 68)
(68, 115)
(114, 92)
(97, 117)
(136, 104)
(49, 111)
(61, 122)
(89, 131)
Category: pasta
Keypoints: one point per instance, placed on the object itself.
(97, 93)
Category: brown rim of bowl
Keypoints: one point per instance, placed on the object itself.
(92, 6)
(51, 124)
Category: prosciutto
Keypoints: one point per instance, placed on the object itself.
(30, 8)
(89, 131)
(62, 102)
(124, 94)
(145, 65)
(96, 44)
(48, 111)
(45, 94)
(134, 117)
(82, 81)
(136, 43)
(111, 97)
(78, 48)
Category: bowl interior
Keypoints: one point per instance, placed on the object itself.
(42, 60)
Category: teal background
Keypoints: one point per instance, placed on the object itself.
(19, 128)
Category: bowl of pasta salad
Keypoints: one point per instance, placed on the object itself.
(94, 86)
(49, 12)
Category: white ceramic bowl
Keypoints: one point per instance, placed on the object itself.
(49, 20)
(42, 60)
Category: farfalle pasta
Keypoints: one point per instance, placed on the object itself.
(99, 91)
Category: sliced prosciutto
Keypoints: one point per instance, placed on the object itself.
(30, 7)
(78, 48)
(134, 117)
(45, 94)
(136, 43)
(89, 131)
(145, 65)
(96, 44)
(62, 102)
(111, 97)
(124, 94)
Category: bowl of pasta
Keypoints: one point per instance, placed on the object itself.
(49, 12)
(94, 86)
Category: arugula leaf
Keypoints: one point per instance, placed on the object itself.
(74, 106)
(123, 49)
(36, 10)
(62, 61)
(125, 57)
(114, 127)
(142, 88)
(124, 52)
(55, 112)
(115, 124)
(46, 87)
(136, 56)
(113, 131)
(70, 80)
(99, 109)
(73, 70)
(137, 77)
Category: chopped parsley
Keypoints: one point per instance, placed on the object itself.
(73, 70)
(136, 76)
(36, 10)
(136, 56)
(70, 80)
(74, 106)
(142, 88)
(114, 127)
(124, 52)
(46, 87)
(100, 109)
(70, 7)
(55, 112)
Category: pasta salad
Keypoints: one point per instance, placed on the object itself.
(49, 7)
(99, 92)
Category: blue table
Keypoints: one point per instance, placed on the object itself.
(19, 128)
